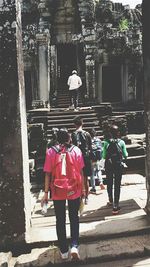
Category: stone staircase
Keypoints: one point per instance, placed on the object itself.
(63, 100)
(42, 122)
(60, 117)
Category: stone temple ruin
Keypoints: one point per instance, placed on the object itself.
(100, 39)
(103, 41)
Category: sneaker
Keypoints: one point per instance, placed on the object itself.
(74, 254)
(93, 190)
(102, 187)
(76, 110)
(65, 255)
(86, 201)
(115, 210)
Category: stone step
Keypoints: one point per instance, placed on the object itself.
(70, 120)
(99, 132)
(103, 237)
(70, 124)
(100, 251)
(135, 150)
(66, 114)
(91, 117)
(64, 118)
(136, 162)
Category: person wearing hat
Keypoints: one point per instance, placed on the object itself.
(74, 82)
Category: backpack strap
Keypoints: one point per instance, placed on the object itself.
(56, 149)
(115, 141)
(70, 148)
(119, 147)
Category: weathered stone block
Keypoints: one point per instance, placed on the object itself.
(5, 258)
(37, 258)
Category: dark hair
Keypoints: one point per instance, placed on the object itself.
(54, 133)
(114, 130)
(63, 136)
(78, 121)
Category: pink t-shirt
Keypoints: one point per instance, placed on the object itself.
(50, 163)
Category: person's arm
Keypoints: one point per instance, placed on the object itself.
(83, 185)
(47, 171)
(104, 150)
(46, 188)
(81, 166)
(124, 150)
(79, 82)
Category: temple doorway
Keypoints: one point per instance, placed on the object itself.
(66, 62)
(111, 84)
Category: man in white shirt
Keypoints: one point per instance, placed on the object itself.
(74, 82)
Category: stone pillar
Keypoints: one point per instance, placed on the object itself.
(124, 81)
(99, 87)
(90, 77)
(43, 41)
(53, 67)
(43, 53)
(146, 62)
(14, 162)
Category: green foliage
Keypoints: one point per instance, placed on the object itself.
(123, 25)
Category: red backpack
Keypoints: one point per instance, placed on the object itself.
(66, 176)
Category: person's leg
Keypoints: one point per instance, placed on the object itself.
(60, 212)
(76, 98)
(117, 185)
(86, 185)
(87, 171)
(92, 178)
(71, 97)
(109, 176)
(73, 207)
(99, 175)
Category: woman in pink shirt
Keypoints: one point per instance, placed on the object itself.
(61, 193)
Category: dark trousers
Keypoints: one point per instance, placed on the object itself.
(74, 97)
(114, 176)
(60, 212)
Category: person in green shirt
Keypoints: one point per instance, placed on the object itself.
(114, 151)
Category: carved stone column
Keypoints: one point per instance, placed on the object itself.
(14, 162)
(86, 9)
(90, 77)
(43, 42)
(53, 68)
(43, 55)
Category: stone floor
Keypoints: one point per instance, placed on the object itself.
(97, 219)
(105, 240)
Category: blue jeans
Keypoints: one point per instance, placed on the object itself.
(60, 212)
(96, 171)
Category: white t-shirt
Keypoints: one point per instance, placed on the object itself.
(74, 82)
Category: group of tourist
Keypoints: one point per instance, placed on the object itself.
(70, 160)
